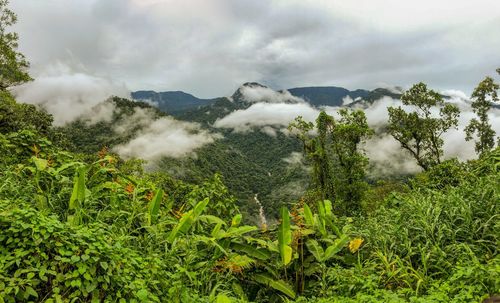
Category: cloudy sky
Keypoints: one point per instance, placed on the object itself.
(210, 47)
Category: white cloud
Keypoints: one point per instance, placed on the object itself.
(163, 137)
(69, 95)
(266, 114)
(384, 151)
(347, 100)
(295, 158)
(255, 94)
(269, 130)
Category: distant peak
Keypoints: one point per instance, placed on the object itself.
(238, 94)
(252, 84)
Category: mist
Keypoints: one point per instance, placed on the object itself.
(160, 137)
(69, 95)
(271, 111)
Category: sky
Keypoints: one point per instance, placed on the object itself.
(210, 47)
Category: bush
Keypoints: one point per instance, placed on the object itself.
(44, 259)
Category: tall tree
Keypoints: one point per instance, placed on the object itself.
(13, 65)
(419, 131)
(314, 147)
(482, 98)
(350, 163)
(338, 163)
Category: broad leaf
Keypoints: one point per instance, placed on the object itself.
(187, 220)
(154, 206)
(336, 247)
(285, 237)
(279, 285)
(315, 249)
(258, 253)
(238, 231)
(308, 216)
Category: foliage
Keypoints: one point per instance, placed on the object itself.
(483, 96)
(82, 227)
(338, 164)
(18, 116)
(13, 64)
(102, 229)
(44, 259)
(418, 131)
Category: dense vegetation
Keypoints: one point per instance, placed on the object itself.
(250, 163)
(94, 227)
(91, 227)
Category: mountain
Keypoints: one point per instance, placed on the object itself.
(171, 102)
(327, 95)
(259, 161)
(179, 103)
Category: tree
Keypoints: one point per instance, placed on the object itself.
(13, 64)
(314, 148)
(482, 98)
(338, 164)
(419, 131)
(18, 116)
(349, 161)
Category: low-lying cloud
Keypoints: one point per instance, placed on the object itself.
(266, 114)
(254, 94)
(384, 151)
(69, 95)
(161, 137)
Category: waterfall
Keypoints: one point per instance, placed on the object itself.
(262, 215)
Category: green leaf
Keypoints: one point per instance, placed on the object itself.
(216, 230)
(212, 219)
(315, 249)
(236, 220)
(187, 220)
(328, 208)
(238, 290)
(279, 285)
(308, 216)
(222, 298)
(81, 185)
(238, 231)
(258, 253)
(73, 202)
(336, 247)
(285, 237)
(41, 164)
(79, 189)
(142, 295)
(154, 206)
(31, 292)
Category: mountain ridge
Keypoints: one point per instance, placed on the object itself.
(179, 102)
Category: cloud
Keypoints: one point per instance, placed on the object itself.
(387, 157)
(266, 114)
(347, 100)
(384, 151)
(295, 158)
(70, 95)
(102, 112)
(162, 137)
(269, 130)
(255, 94)
(210, 47)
